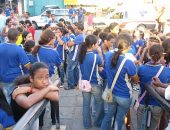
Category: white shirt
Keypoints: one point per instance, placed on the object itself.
(167, 93)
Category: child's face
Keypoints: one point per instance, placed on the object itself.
(58, 32)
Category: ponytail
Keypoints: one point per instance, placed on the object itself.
(115, 57)
(82, 53)
(36, 49)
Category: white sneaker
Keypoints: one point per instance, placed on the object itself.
(53, 127)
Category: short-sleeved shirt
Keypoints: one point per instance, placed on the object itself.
(71, 12)
(122, 87)
(77, 42)
(32, 59)
(5, 119)
(137, 44)
(11, 57)
(49, 56)
(86, 67)
(146, 73)
(60, 48)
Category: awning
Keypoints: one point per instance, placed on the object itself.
(70, 2)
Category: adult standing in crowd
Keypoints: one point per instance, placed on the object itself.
(7, 10)
(81, 12)
(26, 16)
(48, 16)
(2, 24)
(72, 14)
(14, 19)
(10, 62)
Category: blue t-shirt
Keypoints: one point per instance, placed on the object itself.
(86, 67)
(7, 12)
(137, 44)
(60, 48)
(32, 59)
(11, 57)
(49, 56)
(71, 12)
(146, 73)
(77, 42)
(5, 119)
(122, 87)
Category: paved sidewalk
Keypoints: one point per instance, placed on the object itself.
(70, 111)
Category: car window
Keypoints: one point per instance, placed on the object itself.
(61, 12)
(44, 13)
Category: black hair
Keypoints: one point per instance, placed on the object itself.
(35, 67)
(22, 22)
(80, 26)
(97, 31)
(62, 20)
(45, 27)
(166, 46)
(89, 41)
(103, 36)
(123, 41)
(13, 34)
(71, 28)
(1, 10)
(7, 21)
(28, 22)
(29, 45)
(20, 29)
(4, 104)
(155, 52)
(25, 79)
(24, 35)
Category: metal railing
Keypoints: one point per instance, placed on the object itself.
(31, 116)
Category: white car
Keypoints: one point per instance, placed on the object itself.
(129, 17)
(40, 20)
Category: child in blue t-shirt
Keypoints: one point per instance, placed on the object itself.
(121, 92)
(146, 72)
(60, 45)
(6, 116)
(86, 60)
(28, 47)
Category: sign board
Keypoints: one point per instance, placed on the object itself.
(30, 3)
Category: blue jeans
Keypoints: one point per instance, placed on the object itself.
(118, 108)
(7, 90)
(96, 93)
(72, 73)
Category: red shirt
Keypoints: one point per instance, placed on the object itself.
(32, 31)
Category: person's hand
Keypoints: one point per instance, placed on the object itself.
(53, 87)
(156, 82)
